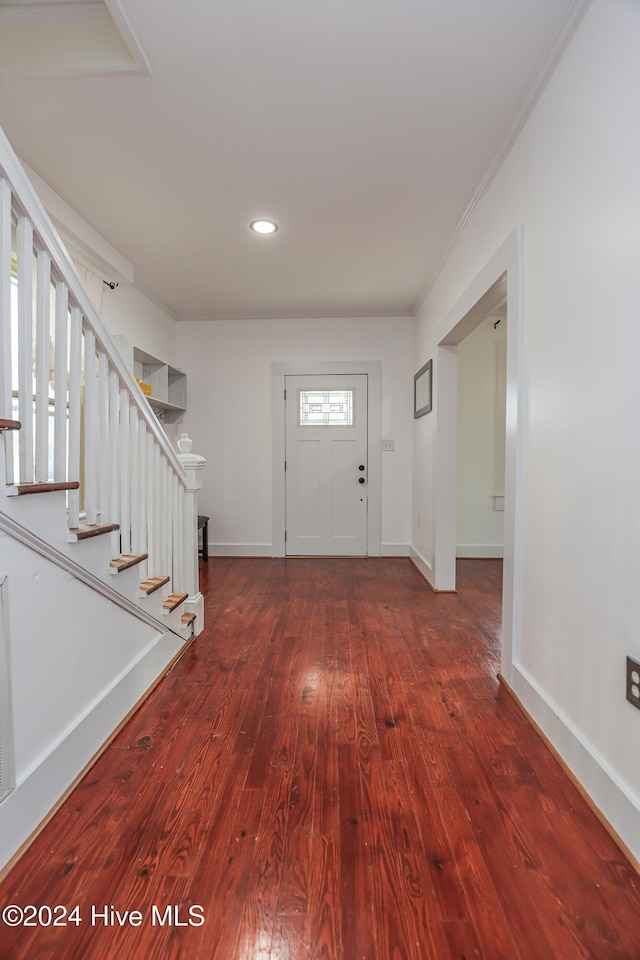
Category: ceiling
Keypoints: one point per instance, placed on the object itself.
(365, 128)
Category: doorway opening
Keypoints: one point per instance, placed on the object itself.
(501, 279)
(482, 364)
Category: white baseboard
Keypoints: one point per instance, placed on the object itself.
(38, 791)
(614, 799)
(422, 564)
(480, 551)
(266, 550)
(240, 550)
(394, 550)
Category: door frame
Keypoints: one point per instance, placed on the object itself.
(293, 368)
(506, 265)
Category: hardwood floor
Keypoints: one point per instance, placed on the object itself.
(330, 771)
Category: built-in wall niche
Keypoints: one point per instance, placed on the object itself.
(167, 384)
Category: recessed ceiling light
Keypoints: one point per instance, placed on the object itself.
(263, 226)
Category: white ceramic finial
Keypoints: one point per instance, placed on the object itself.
(185, 443)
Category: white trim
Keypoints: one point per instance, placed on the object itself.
(77, 11)
(612, 796)
(373, 369)
(533, 93)
(468, 312)
(285, 315)
(422, 564)
(480, 551)
(39, 789)
(65, 10)
(394, 549)
(266, 550)
(240, 550)
(128, 35)
(29, 539)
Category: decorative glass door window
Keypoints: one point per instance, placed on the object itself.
(326, 408)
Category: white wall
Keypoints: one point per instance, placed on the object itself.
(129, 313)
(78, 663)
(572, 181)
(481, 440)
(125, 311)
(229, 416)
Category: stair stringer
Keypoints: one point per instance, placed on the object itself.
(44, 518)
(87, 561)
(80, 662)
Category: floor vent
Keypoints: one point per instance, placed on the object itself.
(7, 770)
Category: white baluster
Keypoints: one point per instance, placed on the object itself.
(114, 458)
(90, 428)
(164, 515)
(60, 382)
(43, 313)
(152, 504)
(180, 542)
(75, 409)
(125, 470)
(6, 350)
(143, 443)
(5, 301)
(134, 447)
(176, 558)
(106, 510)
(25, 346)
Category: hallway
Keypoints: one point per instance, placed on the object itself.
(331, 770)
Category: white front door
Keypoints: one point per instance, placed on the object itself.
(326, 465)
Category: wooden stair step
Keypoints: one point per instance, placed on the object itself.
(126, 560)
(49, 486)
(151, 585)
(174, 601)
(86, 531)
(187, 619)
(10, 425)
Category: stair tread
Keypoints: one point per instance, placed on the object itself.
(10, 425)
(187, 618)
(152, 584)
(86, 531)
(174, 601)
(48, 486)
(126, 560)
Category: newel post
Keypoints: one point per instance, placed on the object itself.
(193, 466)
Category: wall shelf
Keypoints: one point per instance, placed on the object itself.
(168, 398)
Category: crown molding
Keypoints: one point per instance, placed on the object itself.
(57, 10)
(533, 93)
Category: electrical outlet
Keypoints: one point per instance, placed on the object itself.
(388, 445)
(633, 682)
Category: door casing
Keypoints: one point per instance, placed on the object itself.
(507, 262)
(373, 369)
(326, 475)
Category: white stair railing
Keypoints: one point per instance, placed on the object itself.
(83, 417)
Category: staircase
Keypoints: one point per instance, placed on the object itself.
(88, 475)
(98, 524)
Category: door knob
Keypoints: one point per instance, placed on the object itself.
(360, 479)
(361, 467)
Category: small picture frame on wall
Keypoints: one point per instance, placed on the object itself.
(422, 390)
